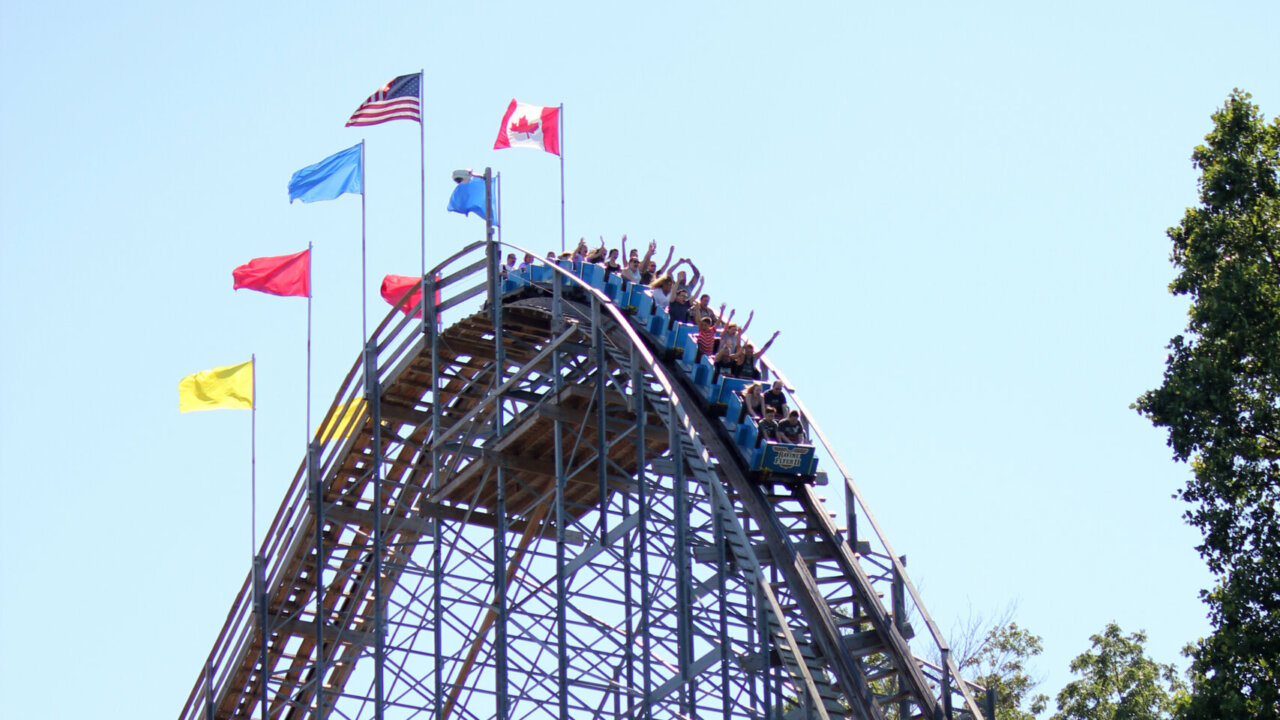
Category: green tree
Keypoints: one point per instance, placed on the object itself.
(999, 662)
(1220, 402)
(1119, 682)
(990, 651)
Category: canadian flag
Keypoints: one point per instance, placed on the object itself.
(530, 126)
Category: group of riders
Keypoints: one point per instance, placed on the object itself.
(673, 290)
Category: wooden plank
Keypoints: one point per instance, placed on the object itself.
(307, 628)
(539, 466)
(615, 424)
(419, 525)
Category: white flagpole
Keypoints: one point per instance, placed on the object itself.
(313, 487)
(309, 294)
(422, 174)
(560, 127)
(253, 454)
(364, 274)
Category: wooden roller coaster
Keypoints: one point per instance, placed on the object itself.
(527, 509)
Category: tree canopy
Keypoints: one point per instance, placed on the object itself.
(1220, 403)
(1119, 682)
(999, 662)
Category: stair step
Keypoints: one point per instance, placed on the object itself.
(883, 700)
(853, 622)
(863, 643)
(830, 579)
(882, 674)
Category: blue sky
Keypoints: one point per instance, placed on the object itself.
(955, 216)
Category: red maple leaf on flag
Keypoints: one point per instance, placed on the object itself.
(524, 126)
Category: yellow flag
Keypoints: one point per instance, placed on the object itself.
(345, 422)
(222, 387)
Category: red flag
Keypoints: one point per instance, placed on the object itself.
(532, 126)
(288, 275)
(395, 286)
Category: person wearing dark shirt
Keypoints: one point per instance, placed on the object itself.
(791, 430)
(611, 264)
(744, 361)
(768, 425)
(679, 307)
(701, 309)
(744, 364)
(775, 398)
(723, 360)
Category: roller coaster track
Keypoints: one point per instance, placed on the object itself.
(523, 510)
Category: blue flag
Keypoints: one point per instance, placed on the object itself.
(468, 198)
(328, 178)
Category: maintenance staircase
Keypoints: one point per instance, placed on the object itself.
(697, 588)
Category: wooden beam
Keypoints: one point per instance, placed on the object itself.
(547, 468)
(418, 524)
(307, 628)
(615, 424)
(510, 383)
(401, 413)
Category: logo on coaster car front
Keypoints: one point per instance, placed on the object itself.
(786, 458)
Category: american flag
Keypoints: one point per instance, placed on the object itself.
(397, 100)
